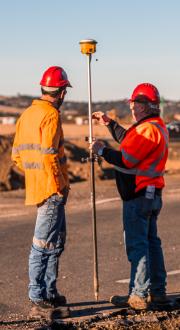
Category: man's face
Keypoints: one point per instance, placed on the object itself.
(136, 108)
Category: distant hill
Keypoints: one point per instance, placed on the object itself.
(120, 107)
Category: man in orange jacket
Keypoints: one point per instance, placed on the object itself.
(139, 167)
(38, 150)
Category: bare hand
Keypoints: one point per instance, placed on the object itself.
(101, 117)
(64, 192)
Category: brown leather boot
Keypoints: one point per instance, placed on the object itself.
(137, 302)
(133, 301)
(44, 310)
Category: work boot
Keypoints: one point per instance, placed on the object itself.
(45, 310)
(137, 303)
(133, 301)
(159, 299)
(119, 301)
(58, 300)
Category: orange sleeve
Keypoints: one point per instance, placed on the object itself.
(49, 149)
(15, 155)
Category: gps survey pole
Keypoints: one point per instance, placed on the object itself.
(88, 47)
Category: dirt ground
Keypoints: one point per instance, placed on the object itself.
(165, 317)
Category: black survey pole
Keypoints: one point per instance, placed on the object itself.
(88, 47)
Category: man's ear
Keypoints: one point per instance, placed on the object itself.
(142, 106)
(63, 93)
(60, 94)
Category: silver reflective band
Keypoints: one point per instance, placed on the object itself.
(49, 151)
(26, 146)
(149, 173)
(15, 150)
(32, 166)
(34, 146)
(130, 158)
(166, 135)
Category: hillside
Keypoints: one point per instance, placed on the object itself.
(71, 109)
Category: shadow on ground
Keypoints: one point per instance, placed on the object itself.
(102, 315)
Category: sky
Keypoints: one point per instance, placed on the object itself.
(138, 41)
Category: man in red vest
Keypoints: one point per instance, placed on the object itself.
(139, 166)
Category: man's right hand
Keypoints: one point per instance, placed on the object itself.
(101, 117)
(64, 192)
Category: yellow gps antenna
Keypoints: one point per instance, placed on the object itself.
(88, 47)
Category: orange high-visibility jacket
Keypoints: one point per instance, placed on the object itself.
(38, 150)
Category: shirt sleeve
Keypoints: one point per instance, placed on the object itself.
(15, 156)
(117, 131)
(113, 157)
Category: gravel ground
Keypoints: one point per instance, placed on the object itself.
(166, 319)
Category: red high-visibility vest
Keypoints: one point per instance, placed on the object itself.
(144, 153)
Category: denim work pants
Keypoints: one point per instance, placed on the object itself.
(48, 244)
(143, 246)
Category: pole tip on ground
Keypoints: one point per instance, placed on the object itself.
(96, 296)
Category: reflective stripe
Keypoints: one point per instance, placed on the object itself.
(34, 146)
(164, 133)
(15, 150)
(26, 146)
(32, 165)
(62, 160)
(149, 173)
(129, 157)
(50, 150)
(29, 146)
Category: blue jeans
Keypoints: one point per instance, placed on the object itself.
(143, 246)
(48, 244)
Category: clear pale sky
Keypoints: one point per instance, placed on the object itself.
(138, 41)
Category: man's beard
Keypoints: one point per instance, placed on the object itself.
(58, 103)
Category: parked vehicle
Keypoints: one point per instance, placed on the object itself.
(174, 129)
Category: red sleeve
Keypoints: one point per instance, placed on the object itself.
(139, 143)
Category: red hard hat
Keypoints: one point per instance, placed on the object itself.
(55, 76)
(145, 92)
